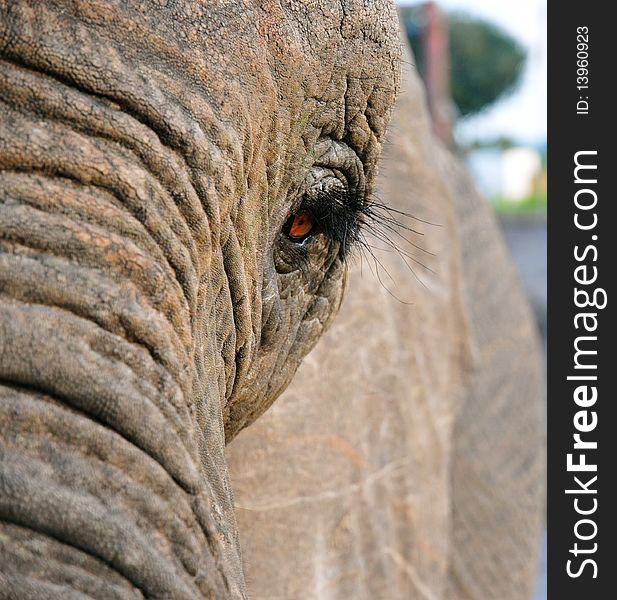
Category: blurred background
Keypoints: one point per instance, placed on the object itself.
(483, 63)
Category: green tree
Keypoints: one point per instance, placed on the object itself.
(486, 63)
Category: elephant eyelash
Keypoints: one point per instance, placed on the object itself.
(350, 219)
(339, 215)
(336, 213)
(371, 225)
(367, 226)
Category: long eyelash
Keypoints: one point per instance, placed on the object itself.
(352, 222)
(339, 214)
(346, 218)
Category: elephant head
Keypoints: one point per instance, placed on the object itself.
(181, 183)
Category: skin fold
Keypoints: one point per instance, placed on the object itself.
(152, 300)
(406, 459)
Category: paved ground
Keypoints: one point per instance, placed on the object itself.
(526, 238)
(541, 583)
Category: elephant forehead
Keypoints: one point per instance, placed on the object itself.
(254, 77)
(249, 75)
(324, 48)
(285, 73)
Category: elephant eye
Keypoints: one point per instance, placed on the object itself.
(300, 226)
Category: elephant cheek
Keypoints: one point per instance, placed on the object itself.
(271, 315)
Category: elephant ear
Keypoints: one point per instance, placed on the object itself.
(499, 446)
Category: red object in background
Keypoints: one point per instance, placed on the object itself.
(435, 50)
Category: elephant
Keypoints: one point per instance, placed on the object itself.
(406, 459)
(182, 185)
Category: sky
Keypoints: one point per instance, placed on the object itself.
(522, 114)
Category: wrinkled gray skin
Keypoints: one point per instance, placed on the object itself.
(150, 307)
(406, 459)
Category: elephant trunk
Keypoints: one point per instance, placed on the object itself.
(106, 484)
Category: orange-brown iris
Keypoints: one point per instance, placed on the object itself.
(301, 225)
